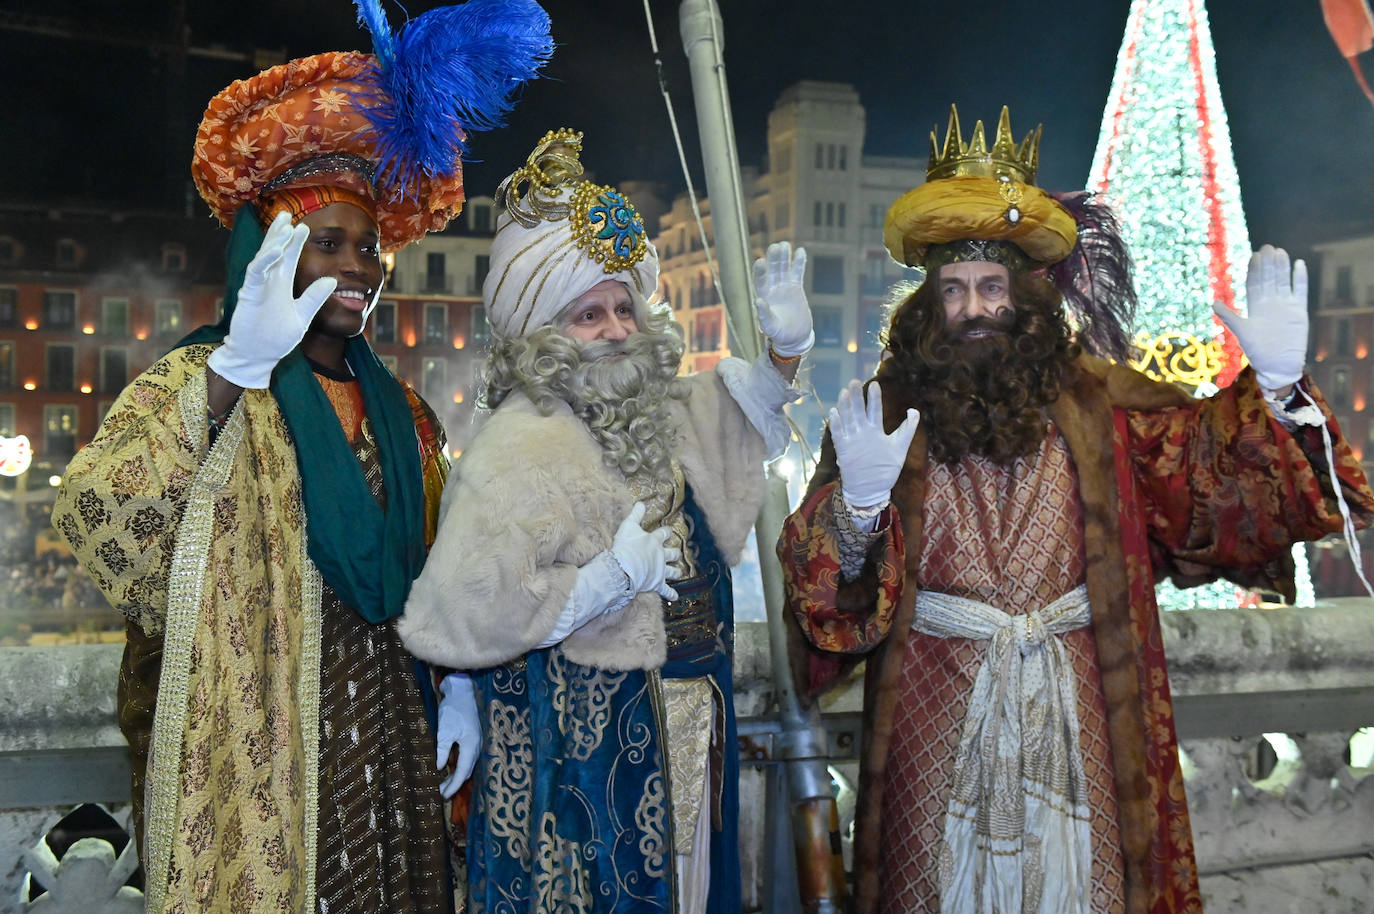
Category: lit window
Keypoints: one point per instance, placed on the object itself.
(433, 379)
(173, 258)
(436, 323)
(59, 431)
(384, 322)
(480, 334)
(168, 316)
(1340, 388)
(59, 310)
(115, 317)
(61, 358)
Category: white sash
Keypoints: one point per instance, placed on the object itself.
(1017, 838)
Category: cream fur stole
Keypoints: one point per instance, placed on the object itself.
(530, 501)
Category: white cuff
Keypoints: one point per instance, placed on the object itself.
(251, 373)
(864, 520)
(855, 532)
(761, 392)
(1295, 410)
(602, 586)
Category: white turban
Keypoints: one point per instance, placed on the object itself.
(536, 272)
(558, 235)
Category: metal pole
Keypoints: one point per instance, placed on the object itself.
(814, 815)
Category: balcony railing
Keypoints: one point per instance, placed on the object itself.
(1293, 836)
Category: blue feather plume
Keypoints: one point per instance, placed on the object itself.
(373, 17)
(446, 73)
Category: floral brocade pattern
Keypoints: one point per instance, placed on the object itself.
(237, 837)
(120, 503)
(1207, 489)
(259, 127)
(570, 810)
(811, 572)
(241, 808)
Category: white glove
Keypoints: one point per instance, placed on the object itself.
(460, 726)
(1274, 335)
(269, 320)
(601, 587)
(784, 315)
(869, 459)
(643, 556)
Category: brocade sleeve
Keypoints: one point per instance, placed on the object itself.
(124, 493)
(835, 614)
(1225, 489)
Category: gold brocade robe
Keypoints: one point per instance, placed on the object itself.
(204, 546)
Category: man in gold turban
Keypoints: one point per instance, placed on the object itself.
(986, 526)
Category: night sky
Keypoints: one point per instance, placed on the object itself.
(98, 122)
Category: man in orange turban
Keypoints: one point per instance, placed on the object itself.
(258, 502)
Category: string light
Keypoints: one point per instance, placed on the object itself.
(1164, 158)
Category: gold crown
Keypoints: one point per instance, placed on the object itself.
(1004, 160)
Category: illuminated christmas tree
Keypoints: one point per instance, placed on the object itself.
(1164, 158)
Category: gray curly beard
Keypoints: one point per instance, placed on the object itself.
(619, 389)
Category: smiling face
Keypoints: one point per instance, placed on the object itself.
(976, 296)
(603, 312)
(343, 244)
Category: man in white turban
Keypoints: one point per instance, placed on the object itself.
(580, 578)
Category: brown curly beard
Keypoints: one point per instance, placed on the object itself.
(984, 396)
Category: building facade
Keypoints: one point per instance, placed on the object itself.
(1342, 335)
(90, 298)
(430, 326)
(820, 191)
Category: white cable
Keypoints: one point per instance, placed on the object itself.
(1352, 541)
(797, 431)
(682, 160)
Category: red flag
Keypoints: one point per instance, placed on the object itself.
(1352, 26)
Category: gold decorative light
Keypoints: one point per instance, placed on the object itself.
(1179, 358)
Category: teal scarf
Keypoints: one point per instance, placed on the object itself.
(367, 555)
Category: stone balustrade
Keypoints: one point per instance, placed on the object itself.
(1275, 832)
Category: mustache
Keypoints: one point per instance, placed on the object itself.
(600, 349)
(1000, 323)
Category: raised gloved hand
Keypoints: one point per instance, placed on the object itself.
(870, 460)
(643, 554)
(784, 315)
(1274, 335)
(460, 727)
(269, 320)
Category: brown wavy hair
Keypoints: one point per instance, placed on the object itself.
(985, 396)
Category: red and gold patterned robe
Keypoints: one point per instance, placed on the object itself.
(1165, 485)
